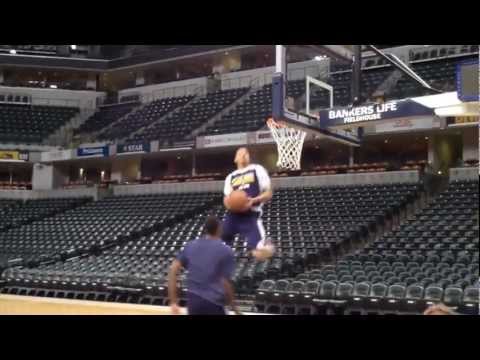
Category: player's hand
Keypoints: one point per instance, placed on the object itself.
(438, 309)
(175, 309)
(250, 204)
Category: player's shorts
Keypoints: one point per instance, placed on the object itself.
(197, 305)
(248, 225)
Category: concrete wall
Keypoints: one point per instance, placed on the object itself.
(279, 183)
(263, 76)
(57, 97)
(172, 89)
(126, 168)
(470, 144)
(44, 194)
(48, 177)
(464, 174)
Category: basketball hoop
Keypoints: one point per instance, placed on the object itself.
(289, 144)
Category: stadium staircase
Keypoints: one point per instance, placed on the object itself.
(94, 136)
(254, 87)
(144, 129)
(388, 84)
(64, 135)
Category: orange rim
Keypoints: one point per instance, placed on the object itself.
(277, 124)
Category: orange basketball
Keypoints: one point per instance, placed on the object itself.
(237, 201)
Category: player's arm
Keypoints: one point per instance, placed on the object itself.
(264, 197)
(265, 186)
(172, 286)
(227, 190)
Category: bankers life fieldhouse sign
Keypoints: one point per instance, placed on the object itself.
(375, 112)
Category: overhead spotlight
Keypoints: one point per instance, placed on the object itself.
(73, 47)
(426, 137)
(13, 51)
(319, 57)
(53, 87)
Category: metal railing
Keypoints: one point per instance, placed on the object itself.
(174, 91)
(60, 102)
(237, 82)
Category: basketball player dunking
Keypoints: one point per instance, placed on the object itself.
(254, 180)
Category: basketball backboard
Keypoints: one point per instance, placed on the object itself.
(304, 116)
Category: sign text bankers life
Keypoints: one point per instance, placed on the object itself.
(363, 113)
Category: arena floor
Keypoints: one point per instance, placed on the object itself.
(26, 305)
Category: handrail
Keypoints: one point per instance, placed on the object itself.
(173, 91)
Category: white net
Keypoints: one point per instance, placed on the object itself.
(289, 145)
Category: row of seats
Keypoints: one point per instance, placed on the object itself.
(437, 247)
(32, 210)
(15, 185)
(303, 224)
(440, 74)
(435, 53)
(105, 116)
(14, 98)
(179, 125)
(143, 117)
(104, 222)
(252, 114)
(290, 296)
(31, 124)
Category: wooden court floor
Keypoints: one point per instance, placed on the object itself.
(26, 305)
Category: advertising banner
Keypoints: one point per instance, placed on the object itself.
(222, 140)
(100, 151)
(407, 125)
(12, 155)
(49, 156)
(133, 148)
(372, 113)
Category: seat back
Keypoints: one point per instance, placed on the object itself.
(327, 290)
(414, 292)
(361, 289)
(433, 293)
(267, 285)
(378, 290)
(453, 296)
(396, 292)
(471, 294)
(344, 291)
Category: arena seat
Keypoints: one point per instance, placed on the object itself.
(413, 268)
(31, 124)
(179, 125)
(143, 117)
(105, 116)
(252, 114)
(130, 241)
(106, 224)
(440, 73)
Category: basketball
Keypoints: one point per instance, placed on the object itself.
(237, 201)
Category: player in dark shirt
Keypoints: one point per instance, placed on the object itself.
(210, 264)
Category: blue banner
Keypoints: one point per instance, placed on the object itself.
(100, 151)
(358, 116)
(133, 148)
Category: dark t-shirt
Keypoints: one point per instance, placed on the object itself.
(207, 262)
